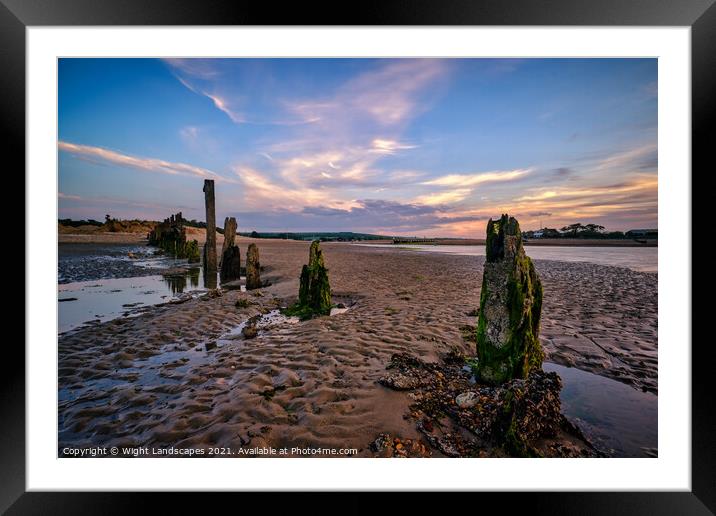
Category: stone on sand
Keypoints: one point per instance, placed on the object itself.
(466, 399)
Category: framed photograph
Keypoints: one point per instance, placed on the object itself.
(283, 257)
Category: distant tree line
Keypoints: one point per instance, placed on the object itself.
(108, 219)
(194, 223)
(592, 231)
(78, 223)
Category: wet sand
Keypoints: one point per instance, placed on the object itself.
(150, 381)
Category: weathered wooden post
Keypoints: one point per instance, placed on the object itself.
(314, 290)
(510, 306)
(170, 236)
(229, 234)
(210, 246)
(230, 255)
(253, 275)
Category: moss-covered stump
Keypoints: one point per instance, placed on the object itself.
(508, 344)
(170, 236)
(191, 251)
(230, 265)
(314, 293)
(253, 268)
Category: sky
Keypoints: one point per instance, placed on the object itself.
(419, 147)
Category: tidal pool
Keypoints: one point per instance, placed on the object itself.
(618, 419)
(106, 299)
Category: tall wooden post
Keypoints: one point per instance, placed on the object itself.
(210, 247)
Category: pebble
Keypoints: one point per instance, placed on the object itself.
(466, 399)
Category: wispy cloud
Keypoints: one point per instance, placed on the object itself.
(454, 188)
(383, 146)
(353, 147)
(339, 139)
(69, 197)
(641, 183)
(587, 203)
(219, 102)
(388, 95)
(353, 128)
(205, 78)
(391, 94)
(629, 159)
(445, 197)
(264, 192)
(200, 68)
(222, 104)
(470, 180)
(140, 163)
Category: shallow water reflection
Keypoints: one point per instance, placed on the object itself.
(617, 418)
(177, 283)
(103, 300)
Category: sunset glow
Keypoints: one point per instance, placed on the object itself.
(429, 147)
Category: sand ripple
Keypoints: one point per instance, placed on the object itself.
(152, 380)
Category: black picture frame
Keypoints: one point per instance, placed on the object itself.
(700, 15)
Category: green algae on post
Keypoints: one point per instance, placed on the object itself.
(314, 294)
(508, 344)
(191, 251)
(170, 236)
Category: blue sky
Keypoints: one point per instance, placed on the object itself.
(429, 147)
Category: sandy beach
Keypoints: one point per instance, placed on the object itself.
(180, 374)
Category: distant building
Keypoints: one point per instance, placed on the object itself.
(642, 233)
(414, 240)
(542, 233)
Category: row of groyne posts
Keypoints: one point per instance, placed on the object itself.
(510, 300)
(314, 295)
(506, 336)
(170, 236)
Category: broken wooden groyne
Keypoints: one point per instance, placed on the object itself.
(170, 236)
